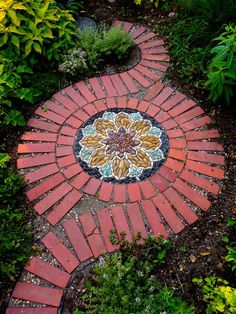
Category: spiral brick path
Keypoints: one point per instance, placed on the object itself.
(164, 203)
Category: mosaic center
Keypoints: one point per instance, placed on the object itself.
(121, 146)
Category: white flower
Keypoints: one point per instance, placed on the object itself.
(105, 276)
(138, 300)
(140, 274)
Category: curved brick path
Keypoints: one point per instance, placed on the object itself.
(165, 203)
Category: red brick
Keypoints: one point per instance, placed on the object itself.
(50, 115)
(154, 218)
(133, 103)
(87, 223)
(66, 130)
(127, 26)
(65, 140)
(154, 91)
(173, 101)
(175, 133)
(144, 71)
(72, 121)
(120, 222)
(121, 102)
(139, 78)
(153, 110)
(167, 173)
(207, 185)
(77, 240)
(169, 124)
(48, 272)
(107, 226)
(159, 57)
(31, 310)
(182, 108)
(186, 116)
(181, 206)
(139, 31)
(100, 105)
(154, 50)
(35, 148)
(81, 115)
(191, 194)
(75, 96)
(129, 83)
(168, 213)
(36, 293)
(119, 193)
(97, 88)
(162, 96)
(205, 146)
(105, 192)
(118, 23)
(110, 89)
(90, 109)
(204, 169)
(66, 102)
(66, 161)
(42, 125)
(180, 143)
(147, 189)
(80, 180)
(39, 160)
(143, 106)
(177, 154)
(52, 198)
(206, 157)
(111, 103)
(145, 37)
(72, 170)
(70, 200)
(64, 151)
(162, 116)
(36, 136)
(136, 220)
(159, 182)
(92, 186)
(60, 252)
(119, 86)
(41, 173)
(84, 90)
(57, 109)
(196, 123)
(174, 164)
(151, 44)
(134, 192)
(154, 65)
(45, 186)
(201, 135)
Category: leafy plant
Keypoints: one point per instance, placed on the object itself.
(74, 62)
(123, 283)
(220, 297)
(147, 2)
(231, 256)
(222, 69)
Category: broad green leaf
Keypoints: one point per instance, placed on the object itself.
(19, 6)
(37, 47)
(15, 40)
(15, 20)
(28, 47)
(47, 33)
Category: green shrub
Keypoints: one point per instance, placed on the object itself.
(222, 69)
(15, 235)
(123, 283)
(219, 296)
(231, 256)
(147, 2)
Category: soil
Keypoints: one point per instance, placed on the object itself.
(198, 251)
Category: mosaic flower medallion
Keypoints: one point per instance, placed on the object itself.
(121, 146)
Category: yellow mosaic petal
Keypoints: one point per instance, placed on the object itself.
(99, 158)
(141, 126)
(122, 119)
(102, 125)
(91, 141)
(120, 167)
(141, 159)
(149, 141)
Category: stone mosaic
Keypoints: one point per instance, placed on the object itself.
(121, 146)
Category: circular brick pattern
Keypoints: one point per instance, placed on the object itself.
(164, 203)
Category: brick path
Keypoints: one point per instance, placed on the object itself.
(165, 203)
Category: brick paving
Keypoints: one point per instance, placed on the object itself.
(164, 203)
